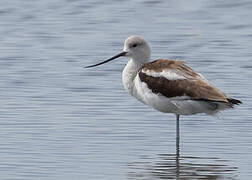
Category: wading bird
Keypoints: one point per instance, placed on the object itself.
(167, 85)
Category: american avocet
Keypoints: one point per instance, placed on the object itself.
(167, 85)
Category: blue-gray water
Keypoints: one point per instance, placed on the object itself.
(61, 121)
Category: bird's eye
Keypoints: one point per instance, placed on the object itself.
(134, 45)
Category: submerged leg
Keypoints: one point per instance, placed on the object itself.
(177, 148)
(177, 135)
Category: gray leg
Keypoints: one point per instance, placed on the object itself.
(177, 135)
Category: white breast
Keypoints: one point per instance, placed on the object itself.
(128, 75)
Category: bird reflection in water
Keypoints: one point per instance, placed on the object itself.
(173, 166)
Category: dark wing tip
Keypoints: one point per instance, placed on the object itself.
(234, 101)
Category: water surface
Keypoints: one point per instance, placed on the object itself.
(60, 121)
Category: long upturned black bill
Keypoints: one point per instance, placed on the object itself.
(110, 59)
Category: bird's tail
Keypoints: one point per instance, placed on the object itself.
(234, 101)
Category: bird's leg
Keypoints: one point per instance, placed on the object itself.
(177, 168)
(177, 135)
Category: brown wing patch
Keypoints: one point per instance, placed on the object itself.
(160, 64)
(193, 86)
(178, 66)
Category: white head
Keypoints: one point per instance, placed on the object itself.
(135, 47)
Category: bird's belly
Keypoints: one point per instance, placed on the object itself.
(176, 105)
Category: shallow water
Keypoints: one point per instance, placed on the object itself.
(60, 121)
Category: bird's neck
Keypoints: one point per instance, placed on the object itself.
(129, 74)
